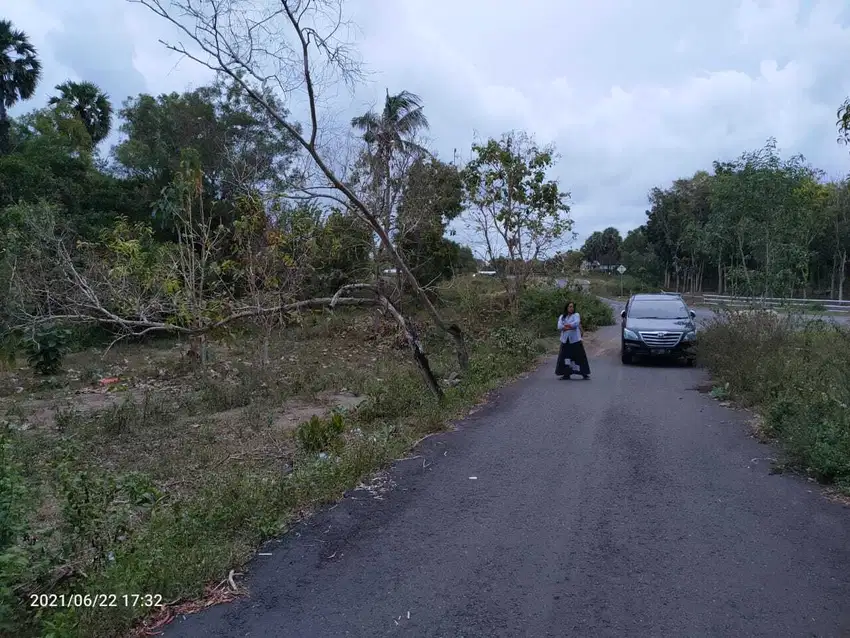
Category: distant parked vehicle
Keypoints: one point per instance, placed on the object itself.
(658, 325)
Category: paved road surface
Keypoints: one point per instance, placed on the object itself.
(627, 505)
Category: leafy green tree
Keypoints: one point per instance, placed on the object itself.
(240, 148)
(637, 255)
(516, 208)
(90, 104)
(760, 194)
(603, 246)
(52, 161)
(432, 198)
(342, 253)
(20, 71)
(760, 224)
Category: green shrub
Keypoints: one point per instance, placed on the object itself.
(539, 309)
(514, 341)
(318, 434)
(47, 348)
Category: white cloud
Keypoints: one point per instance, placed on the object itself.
(633, 94)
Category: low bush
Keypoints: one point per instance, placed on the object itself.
(318, 434)
(14, 555)
(47, 348)
(539, 309)
(797, 375)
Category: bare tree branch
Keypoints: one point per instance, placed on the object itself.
(260, 53)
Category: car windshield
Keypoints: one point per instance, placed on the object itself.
(658, 310)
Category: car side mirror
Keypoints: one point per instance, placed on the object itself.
(693, 315)
(623, 314)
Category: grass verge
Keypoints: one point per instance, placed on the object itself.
(142, 479)
(797, 376)
(615, 286)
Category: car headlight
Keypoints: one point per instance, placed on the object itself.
(630, 334)
(689, 337)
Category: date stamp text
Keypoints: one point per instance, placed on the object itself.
(95, 600)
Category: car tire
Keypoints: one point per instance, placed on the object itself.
(625, 358)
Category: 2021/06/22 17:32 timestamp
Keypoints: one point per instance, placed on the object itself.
(95, 600)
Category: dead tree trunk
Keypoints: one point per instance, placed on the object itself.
(409, 331)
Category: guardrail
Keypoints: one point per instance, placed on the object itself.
(827, 305)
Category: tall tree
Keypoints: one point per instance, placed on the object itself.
(241, 150)
(90, 104)
(388, 135)
(637, 255)
(521, 214)
(51, 160)
(603, 246)
(431, 199)
(20, 71)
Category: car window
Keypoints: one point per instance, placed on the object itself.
(658, 310)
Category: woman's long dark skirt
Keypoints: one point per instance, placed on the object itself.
(574, 352)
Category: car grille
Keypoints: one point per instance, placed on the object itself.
(661, 339)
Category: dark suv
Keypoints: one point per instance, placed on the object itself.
(658, 325)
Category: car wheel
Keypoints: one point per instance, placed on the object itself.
(625, 358)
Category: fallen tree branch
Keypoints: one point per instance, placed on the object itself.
(140, 327)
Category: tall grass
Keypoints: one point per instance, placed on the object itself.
(797, 375)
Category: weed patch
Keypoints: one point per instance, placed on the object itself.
(798, 378)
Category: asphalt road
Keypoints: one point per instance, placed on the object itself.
(627, 505)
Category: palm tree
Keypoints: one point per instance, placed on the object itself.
(90, 104)
(389, 132)
(400, 120)
(20, 71)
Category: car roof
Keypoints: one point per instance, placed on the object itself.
(657, 296)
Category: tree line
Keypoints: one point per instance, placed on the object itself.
(217, 204)
(760, 225)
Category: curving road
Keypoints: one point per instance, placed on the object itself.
(628, 505)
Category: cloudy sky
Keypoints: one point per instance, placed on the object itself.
(634, 94)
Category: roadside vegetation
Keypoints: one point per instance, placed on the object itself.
(169, 476)
(231, 317)
(796, 377)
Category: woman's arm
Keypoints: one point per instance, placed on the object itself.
(574, 321)
(561, 324)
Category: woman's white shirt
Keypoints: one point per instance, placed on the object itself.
(573, 333)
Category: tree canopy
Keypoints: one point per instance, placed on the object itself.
(20, 71)
(760, 224)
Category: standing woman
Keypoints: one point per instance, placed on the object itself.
(572, 358)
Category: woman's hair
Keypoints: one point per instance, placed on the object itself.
(567, 308)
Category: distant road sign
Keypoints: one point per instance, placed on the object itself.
(621, 269)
